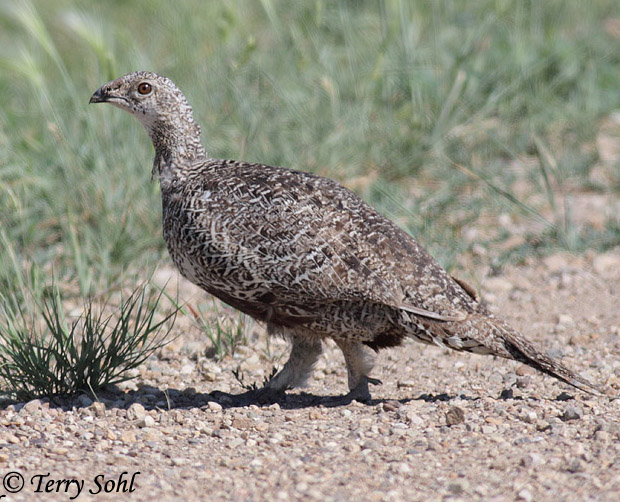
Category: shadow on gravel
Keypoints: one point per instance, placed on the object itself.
(154, 398)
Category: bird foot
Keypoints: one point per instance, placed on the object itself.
(264, 395)
(359, 393)
(267, 395)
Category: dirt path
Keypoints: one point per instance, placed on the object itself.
(443, 426)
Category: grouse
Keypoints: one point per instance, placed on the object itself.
(305, 255)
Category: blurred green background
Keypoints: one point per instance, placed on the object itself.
(489, 129)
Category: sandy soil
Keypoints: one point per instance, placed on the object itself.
(443, 426)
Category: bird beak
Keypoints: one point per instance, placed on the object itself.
(100, 96)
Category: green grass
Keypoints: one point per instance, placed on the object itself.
(399, 92)
(43, 354)
(224, 327)
(432, 111)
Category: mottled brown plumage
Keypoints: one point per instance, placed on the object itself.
(303, 254)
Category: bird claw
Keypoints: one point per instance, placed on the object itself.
(264, 395)
(267, 395)
(360, 393)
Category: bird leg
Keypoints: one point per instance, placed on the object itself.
(360, 361)
(304, 354)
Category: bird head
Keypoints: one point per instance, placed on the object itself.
(146, 95)
(162, 109)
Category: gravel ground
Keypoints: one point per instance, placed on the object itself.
(443, 426)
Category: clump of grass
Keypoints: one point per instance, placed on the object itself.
(42, 354)
(226, 330)
(240, 377)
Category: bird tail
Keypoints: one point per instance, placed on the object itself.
(522, 350)
(487, 334)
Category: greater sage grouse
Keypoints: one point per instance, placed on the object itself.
(305, 255)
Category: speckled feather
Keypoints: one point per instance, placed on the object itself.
(301, 252)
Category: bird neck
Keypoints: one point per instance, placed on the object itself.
(177, 145)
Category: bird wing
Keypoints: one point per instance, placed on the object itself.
(308, 239)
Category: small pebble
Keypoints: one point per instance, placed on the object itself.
(391, 405)
(572, 413)
(136, 412)
(454, 416)
(146, 421)
(214, 406)
(98, 408)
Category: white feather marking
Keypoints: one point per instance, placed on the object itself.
(458, 316)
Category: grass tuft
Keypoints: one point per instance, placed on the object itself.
(42, 354)
(226, 329)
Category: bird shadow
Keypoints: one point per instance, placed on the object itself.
(169, 399)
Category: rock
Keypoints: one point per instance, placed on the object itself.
(575, 465)
(509, 378)
(532, 460)
(579, 340)
(525, 494)
(572, 413)
(315, 415)
(454, 416)
(34, 406)
(524, 382)
(11, 438)
(241, 423)
(214, 406)
(209, 376)
(146, 421)
(414, 418)
(261, 427)
(529, 417)
(98, 408)
(391, 405)
(566, 320)
(523, 370)
(136, 412)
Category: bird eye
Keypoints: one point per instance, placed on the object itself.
(144, 88)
